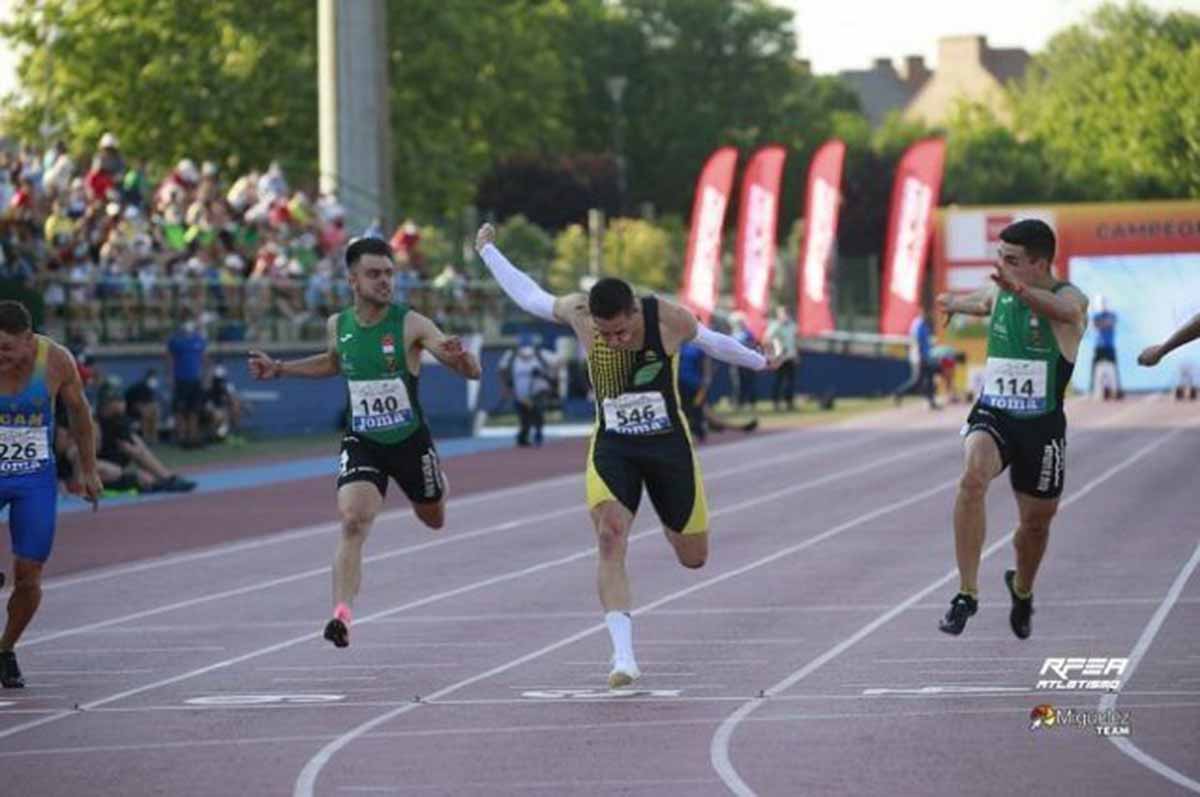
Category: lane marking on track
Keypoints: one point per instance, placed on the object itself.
(503, 578)
(719, 747)
(1135, 658)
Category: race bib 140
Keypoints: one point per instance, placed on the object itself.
(377, 405)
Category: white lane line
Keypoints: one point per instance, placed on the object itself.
(1135, 658)
(560, 786)
(90, 651)
(308, 776)
(499, 579)
(397, 514)
(522, 523)
(284, 536)
(549, 728)
(719, 747)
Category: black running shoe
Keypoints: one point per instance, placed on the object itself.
(961, 608)
(10, 673)
(1022, 608)
(337, 633)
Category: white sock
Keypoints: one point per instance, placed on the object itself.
(620, 629)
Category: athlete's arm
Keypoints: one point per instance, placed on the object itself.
(318, 366)
(528, 295)
(976, 303)
(1184, 335)
(79, 419)
(446, 349)
(1068, 306)
(682, 326)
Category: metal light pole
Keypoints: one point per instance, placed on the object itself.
(616, 89)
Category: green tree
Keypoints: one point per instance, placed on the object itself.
(1114, 103)
(206, 79)
(986, 163)
(473, 81)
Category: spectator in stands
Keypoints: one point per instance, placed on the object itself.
(187, 359)
(746, 377)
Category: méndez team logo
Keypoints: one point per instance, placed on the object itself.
(1042, 716)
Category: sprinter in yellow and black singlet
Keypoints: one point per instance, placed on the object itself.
(641, 438)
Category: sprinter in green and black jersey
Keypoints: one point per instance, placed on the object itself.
(377, 346)
(1018, 423)
(641, 438)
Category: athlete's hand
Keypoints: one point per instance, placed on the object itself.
(774, 354)
(1151, 355)
(485, 236)
(451, 352)
(262, 366)
(1007, 279)
(945, 303)
(88, 486)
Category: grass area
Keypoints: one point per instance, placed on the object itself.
(243, 450)
(240, 450)
(806, 413)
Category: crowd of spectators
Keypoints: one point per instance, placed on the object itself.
(108, 252)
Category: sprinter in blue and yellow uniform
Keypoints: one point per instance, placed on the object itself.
(34, 373)
(641, 437)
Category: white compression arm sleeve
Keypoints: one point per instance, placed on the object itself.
(728, 350)
(528, 295)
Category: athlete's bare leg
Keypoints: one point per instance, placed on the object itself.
(1032, 537)
(982, 463)
(358, 504)
(690, 549)
(612, 522)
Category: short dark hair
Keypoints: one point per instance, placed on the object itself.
(368, 245)
(14, 318)
(1034, 235)
(610, 297)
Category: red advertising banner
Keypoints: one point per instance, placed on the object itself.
(914, 197)
(702, 268)
(755, 252)
(822, 199)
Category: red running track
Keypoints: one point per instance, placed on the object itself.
(803, 659)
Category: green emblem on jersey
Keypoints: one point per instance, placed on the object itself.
(646, 374)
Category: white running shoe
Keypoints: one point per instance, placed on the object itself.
(624, 672)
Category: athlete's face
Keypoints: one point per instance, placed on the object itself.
(1015, 257)
(372, 279)
(15, 350)
(623, 331)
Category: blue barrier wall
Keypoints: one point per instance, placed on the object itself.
(302, 406)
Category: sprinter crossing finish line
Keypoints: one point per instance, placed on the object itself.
(1018, 423)
(641, 437)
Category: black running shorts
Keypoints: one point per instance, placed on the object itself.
(1035, 449)
(412, 463)
(617, 469)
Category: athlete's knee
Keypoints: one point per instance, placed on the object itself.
(612, 534)
(974, 483)
(27, 578)
(693, 560)
(432, 515)
(356, 522)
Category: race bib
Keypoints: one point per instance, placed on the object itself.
(636, 413)
(1015, 385)
(23, 448)
(377, 405)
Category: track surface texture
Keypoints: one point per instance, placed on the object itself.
(178, 647)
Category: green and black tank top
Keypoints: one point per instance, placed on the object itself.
(1027, 374)
(383, 394)
(636, 393)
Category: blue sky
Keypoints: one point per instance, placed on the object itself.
(850, 34)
